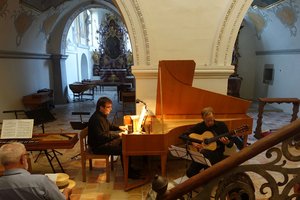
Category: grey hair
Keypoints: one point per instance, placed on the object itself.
(206, 111)
(11, 153)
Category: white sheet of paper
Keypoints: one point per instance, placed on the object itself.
(52, 176)
(142, 118)
(17, 128)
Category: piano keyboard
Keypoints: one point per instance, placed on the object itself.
(23, 141)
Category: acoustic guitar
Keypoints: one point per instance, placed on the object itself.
(208, 139)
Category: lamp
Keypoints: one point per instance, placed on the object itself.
(143, 115)
(140, 101)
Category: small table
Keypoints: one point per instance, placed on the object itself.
(45, 142)
(38, 100)
(264, 101)
(79, 89)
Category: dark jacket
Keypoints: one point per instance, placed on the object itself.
(99, 130)
(218, 128)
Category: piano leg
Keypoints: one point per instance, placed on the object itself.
(139, 182)
(163, 163)
(125, 163)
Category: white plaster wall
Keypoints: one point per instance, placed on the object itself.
(182, 31)
(72, 70)
(20, 78)
(247, 62)
(286, 79)
(73, 66)
(279, 45)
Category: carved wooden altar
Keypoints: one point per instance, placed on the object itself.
(114, 59)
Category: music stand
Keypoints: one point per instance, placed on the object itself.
(40, 116)
(184, 153)
(16, 112)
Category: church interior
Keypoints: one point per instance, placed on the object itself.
(167, 58)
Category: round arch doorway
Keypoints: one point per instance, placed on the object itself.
(84, 67)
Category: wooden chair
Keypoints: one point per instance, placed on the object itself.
(79, 125)
(86, 154)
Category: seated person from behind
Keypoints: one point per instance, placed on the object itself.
(100, 138)
(17, 183)
(216, 128)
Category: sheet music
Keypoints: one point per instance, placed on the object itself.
(17, 128)
(138, 121)
(189, 155)
(142, 117)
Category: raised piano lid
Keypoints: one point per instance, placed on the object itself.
(176, 98)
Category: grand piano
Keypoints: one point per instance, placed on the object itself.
(178, 107)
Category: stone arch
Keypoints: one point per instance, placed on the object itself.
(129, 11)
(61, 28)
(225, 39)
(57, 47)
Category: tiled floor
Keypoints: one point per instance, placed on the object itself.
(96, 187)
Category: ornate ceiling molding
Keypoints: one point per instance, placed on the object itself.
(221, 33)
(144, 29)
(227, 25)
(288, 14)
(219, 73)
(42, 6)
(265, 3)
(231, 41)
(134, 34)
(23, 55)
(138, 27)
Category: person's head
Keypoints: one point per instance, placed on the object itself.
(104, 105)
(208, 116)
(13, 155)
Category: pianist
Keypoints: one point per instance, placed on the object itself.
(17, 183)
(101, 139)
(217, 128)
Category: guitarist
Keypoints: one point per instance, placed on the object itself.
(217, 128)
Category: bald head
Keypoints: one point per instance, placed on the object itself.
(13, 154)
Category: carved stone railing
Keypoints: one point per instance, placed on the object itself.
(233, 179)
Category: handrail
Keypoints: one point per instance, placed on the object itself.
(232, 161)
